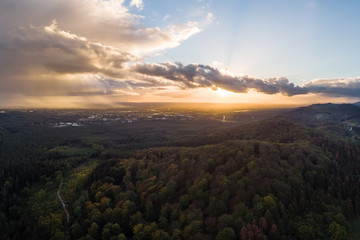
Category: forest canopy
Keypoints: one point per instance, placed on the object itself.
(271, 179)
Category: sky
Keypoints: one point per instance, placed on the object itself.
(85, 53)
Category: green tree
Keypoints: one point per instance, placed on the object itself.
(269, 201)
(226, 234)
(160, 235)
(93, 230)
(76, 230)
(337, 232)
(193, 228)
(306, 232)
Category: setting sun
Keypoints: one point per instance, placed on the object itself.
(108, 51)
(224, 93)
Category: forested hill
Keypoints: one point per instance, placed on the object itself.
(335, 113)
(337, 119)
(273, 179)
(279, 180)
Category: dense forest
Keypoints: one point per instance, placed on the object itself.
(294, 176)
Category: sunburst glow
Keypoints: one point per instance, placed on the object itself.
(224, 93)
(113, 51)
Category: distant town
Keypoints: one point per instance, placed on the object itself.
(65, 118)
(123, 117)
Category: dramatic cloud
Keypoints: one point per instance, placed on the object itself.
(101, 38)
(104, 21)
(97, 48)
(335, 87)
(197, 75)
(35, 57)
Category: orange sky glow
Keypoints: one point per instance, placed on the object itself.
(91, 53)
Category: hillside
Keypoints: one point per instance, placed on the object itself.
(298, 184)
(336, 113)
(273, 179)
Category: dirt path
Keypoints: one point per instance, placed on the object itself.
(62, 202)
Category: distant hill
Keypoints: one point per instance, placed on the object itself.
(349, 113)
(357, 104)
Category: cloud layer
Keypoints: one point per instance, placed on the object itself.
(105, 21)
(51, 51)
(38, 57)
(197, 75)
(335, 87)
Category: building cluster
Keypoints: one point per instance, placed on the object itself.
(122, 117)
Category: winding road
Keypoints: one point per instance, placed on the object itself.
(62, 202)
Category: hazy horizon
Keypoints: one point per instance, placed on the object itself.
(210, 106)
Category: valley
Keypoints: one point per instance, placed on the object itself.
(181, 174)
